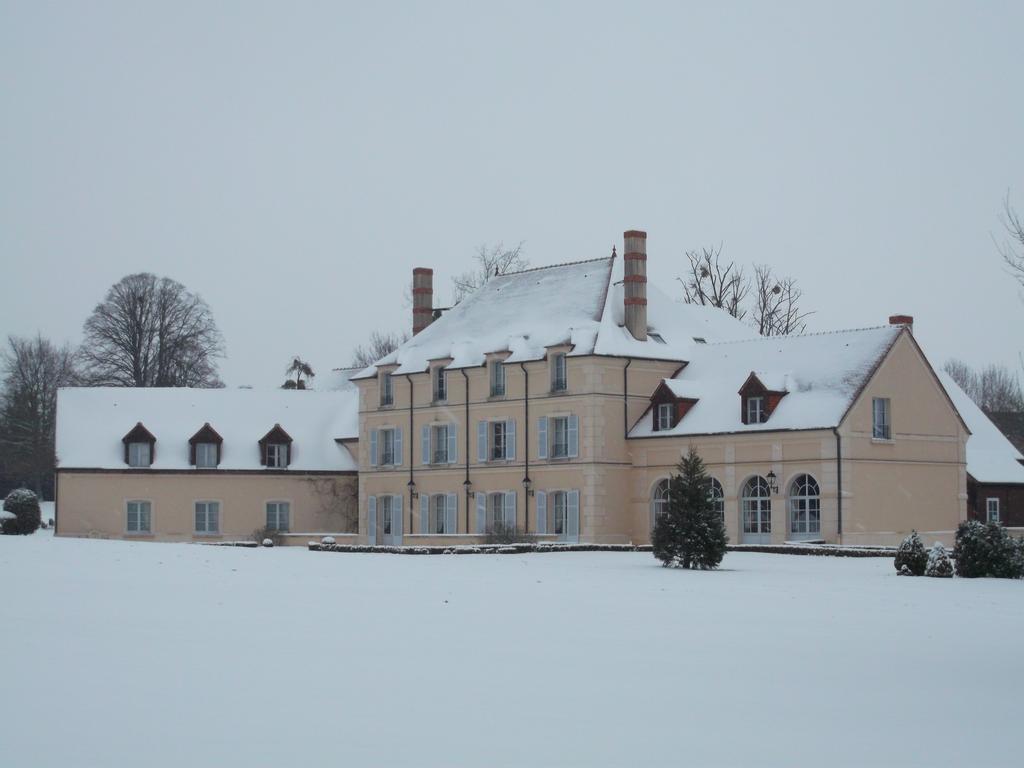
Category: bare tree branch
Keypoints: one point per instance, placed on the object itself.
(712, 283)
(1012, 249)
(995, 388)
(380, 345)
(490, 262)
(777, 304)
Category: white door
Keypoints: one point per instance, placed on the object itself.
(756, 512)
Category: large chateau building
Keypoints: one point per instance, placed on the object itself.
(554, 402)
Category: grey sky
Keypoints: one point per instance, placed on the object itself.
(292, 162)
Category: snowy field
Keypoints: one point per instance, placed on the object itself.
(127, 654)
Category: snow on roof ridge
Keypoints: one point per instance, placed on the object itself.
(835, 332)
(555, 266)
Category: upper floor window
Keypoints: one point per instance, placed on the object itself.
(276, 448)
(992, 509)
(440, 384)
(277, 455)
(278, 514)
(387, 389)
(140, 454)
(139, 517)
(664, 416)
(756, 413)
(207, 455)
(558, 437)
(207, 517)
(387, 446)
(559, 381)
(496, 440)
(497, 371)
(440, 435)
(881, 428)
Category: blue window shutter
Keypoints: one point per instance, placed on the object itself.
(373, 447)
(572, 523)
(453, 443)
(510, 439)
(574, 435)
(425, 443)
(398, 446)
(481, 512)
(542, 437)
(542, 512)
(397, 513)
(424, 513)
(451, 510)
(510, 508)
(481, 441)
(371, 521)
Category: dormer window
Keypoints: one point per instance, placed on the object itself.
(276, 449)
(559, 373)
(440, 384)
(756, 413)
(664, 416)
(387, 389)
(671, 402)
(497, 371)
(204, 448)
(139, 447)
(206, 455)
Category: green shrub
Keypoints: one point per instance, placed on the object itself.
(987, 550)
(911, 557)
(939, 564)
(24, 505)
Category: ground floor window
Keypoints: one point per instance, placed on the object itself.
(207, 517)
(387, 513)
(560, 513)
(757, 506)
(716, 495)
(992, 509)
(139, 517)
(804, 506)
(497, 513)
(278, 514)
(659, 500)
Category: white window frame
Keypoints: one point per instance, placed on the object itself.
(716, 495)
(277, 450)
(497, 502)
(881, 430)
(206, 455)
(756, 413)
(553, 426)
(386, 437)
(805, 503)
(386, 514)
(497, 378)
(136, 454)
(756, 506)
(992, 510)
(207, 504)
(559, 372)
(664, 415)
(387, 389)
(274, 520)
(554, 498)
(494, 443)
(439, 385)
(659, 499)
(138, 530)
(439, 448)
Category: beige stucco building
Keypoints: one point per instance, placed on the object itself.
(553, 404)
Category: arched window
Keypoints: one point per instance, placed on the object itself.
(804, 507)
(717, 497)
(659, 500)
(756, 504)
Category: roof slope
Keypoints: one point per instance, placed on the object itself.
(822, 373)
(991, 458)
(92, 420)
(578, 304)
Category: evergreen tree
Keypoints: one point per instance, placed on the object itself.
(24, 505)
(939, 564)
(911, 556)
(690, 533)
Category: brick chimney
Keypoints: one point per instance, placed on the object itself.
(634, 255)
(907, 320)
(422, 298)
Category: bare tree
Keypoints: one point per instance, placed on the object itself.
(777, 304)
(151, 332)
(33, 371)
(303, 372)
(713, 283)
(380, 345)
(490, 262)
(995, 388)
(338, 504)
(1012, 249)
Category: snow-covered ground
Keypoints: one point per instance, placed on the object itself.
(127, 654)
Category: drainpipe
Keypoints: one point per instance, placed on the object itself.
(526, 446)
(625, 398)
(466, 484)
(412, 453)
(839, 482)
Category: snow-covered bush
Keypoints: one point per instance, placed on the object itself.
(24, 505)
(987, 550)
(261, 535)
(327, 540)
(689, 533)
(911, 557)
(939, 564)
(268, 542)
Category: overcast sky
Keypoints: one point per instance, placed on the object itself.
(292, 162)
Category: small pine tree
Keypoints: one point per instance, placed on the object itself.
(690, 534)
(24, 505)
(970, 551)
(939, 564)
(912, 554)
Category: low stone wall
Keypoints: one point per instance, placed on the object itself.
(825, 550)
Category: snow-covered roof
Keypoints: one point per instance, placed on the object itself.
(823, 373)
(91, 421)
(578, 304)
(991, 458)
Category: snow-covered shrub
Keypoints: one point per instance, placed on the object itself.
(505, 534)
(689, 533)
(268, 542)
(260, 536)
(24, 505)
(987, 550)
(327, 540)
(939, 564)
(911, 556)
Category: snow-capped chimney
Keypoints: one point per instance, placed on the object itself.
(906, 320)
(422, 298)
(634, 255)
